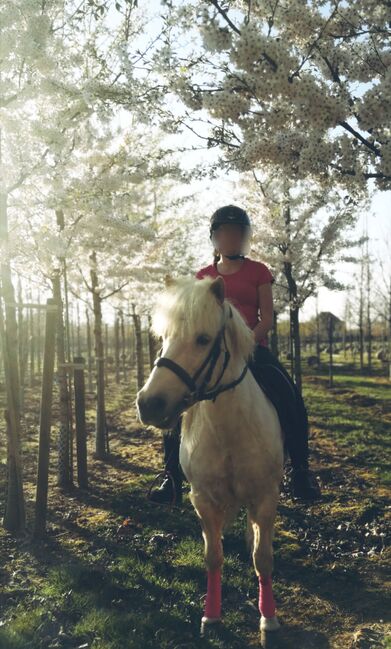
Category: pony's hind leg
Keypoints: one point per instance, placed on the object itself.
(212, 520)
(262, 517)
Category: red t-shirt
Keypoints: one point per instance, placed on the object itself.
(241, 288)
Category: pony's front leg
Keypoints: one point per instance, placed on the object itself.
(212, 520)
(262, 518)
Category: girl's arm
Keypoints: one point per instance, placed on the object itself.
(265, 301)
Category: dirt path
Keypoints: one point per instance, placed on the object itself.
(117, 571)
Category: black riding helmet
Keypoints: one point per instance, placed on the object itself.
(230, 214)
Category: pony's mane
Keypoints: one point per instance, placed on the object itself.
(188, 307)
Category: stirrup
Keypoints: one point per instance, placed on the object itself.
(166, 474)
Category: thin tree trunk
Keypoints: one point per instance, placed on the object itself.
(106, 353)
(39, 336)
(80, 416)
(116, 349)
(45, 419)
(152, 344)
(389, 331)
(139, 348)
(317, 333)
(64, 473)
(123, 344)
(78, 338)
(369, 317)
(14, 516)
(274, 335)
(22, 346)
(330, 330)
(89, 351)
(361, 318)
(295, 329)
(100, 430)
(68, 344)
(32, 344)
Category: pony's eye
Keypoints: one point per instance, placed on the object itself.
(203, 339)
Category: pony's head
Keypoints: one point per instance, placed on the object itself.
(190, 316)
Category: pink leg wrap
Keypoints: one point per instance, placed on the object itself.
(267, 604)
(213, 596)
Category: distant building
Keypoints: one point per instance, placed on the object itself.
(324, 323)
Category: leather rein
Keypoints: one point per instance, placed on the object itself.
(201, 393)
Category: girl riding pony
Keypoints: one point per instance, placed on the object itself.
(249, 287)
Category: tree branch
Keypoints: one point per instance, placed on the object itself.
(223, 13)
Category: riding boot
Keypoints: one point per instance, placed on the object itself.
(285, 396)
(170, 489)
(303, 483)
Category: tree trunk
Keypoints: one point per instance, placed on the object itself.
(123, 344)
(106, 353)
(274, 335)
(389, 331)
(152, 345)
(78, 335)
(64, 474)
(139, 348)
(14, 516)
(22, 346)
(32, 345)
(317, 333)
(295, 334)
(369, 317)
(116, 349)
(101, 442)
(330, 330)
(361, 318)
(68, 344)
(39, 336)
(80, 416)
(89, 351)
(45, 420)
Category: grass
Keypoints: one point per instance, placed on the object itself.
(117, 572)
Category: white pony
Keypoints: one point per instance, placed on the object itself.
(231, 448)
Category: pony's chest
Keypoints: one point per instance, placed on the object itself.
(217, 468)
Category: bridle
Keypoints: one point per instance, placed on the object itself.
(201, 393)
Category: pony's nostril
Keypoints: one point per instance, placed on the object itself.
(155, 405)
(151, 407)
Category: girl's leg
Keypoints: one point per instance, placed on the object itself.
(282, 391)
(170, 490)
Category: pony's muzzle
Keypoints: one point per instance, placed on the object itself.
(151, 409)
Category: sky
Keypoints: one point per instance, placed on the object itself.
(214, 193)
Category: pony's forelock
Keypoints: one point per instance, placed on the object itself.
(189, 307)
(185, 308)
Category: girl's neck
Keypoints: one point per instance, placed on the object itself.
(228, 266)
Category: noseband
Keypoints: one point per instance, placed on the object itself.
(200, 393)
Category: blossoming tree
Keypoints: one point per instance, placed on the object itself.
(302, 86)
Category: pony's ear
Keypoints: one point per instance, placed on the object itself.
(169, 281)
(218, 289)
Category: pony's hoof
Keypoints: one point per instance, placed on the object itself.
(209, 626)
(269, 623)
